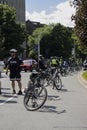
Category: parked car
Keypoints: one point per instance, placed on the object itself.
(27, 65)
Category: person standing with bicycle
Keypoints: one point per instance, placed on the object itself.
(13, 66)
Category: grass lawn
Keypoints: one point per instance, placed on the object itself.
(84, 75)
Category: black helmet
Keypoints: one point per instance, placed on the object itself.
(13, 50)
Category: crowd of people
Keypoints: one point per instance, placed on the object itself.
(14, 62)
(61, 63)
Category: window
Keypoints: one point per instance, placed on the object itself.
(3, 1)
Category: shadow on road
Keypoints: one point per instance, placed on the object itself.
(51, 109)
(7, 98)
(52, 97)
(5, 102)
(1, 101)
(63, 90)
(8, 95)
(6, 88)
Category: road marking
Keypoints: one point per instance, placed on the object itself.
(9, 99)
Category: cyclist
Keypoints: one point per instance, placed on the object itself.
(54, 63)
(41, 63)
(14, 66)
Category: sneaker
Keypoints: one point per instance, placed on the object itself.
(20, 93)
(14, 92)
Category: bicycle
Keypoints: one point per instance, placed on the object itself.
(51, 76)
(57, 80)
(36, 94)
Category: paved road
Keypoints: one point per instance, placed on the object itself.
(63, 110)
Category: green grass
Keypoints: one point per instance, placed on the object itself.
(84, 75)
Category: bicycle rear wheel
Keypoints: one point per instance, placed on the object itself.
(36, 99)
(58, 83)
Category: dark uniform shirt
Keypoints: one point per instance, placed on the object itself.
(14, 64)
(41, 64)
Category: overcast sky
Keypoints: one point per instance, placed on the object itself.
(50, 11)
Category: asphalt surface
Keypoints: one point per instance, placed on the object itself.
(63, 110)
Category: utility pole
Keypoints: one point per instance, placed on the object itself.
(38, 46)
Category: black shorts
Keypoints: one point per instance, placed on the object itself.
(15, 76)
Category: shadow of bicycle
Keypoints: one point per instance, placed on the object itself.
(51, 109)
(63, 90)
(53, 97)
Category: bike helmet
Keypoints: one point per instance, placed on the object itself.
(13, 50)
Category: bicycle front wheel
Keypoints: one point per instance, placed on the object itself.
(36, 99)
(58, 83)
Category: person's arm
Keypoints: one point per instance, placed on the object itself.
(7, 67)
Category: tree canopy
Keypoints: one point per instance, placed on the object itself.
(81, 21)
(12, 34)
(55, 40)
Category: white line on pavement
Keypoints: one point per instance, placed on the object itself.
(9, 99)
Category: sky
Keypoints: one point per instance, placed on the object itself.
(50, 11)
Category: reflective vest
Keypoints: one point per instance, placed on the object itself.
(53, 62)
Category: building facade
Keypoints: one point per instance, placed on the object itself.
(31, 26)
(19, 5)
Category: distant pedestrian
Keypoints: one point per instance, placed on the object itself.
(13, 66)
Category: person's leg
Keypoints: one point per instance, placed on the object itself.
(13, 86)
(12, 79)
(18, 78)
(20, 85)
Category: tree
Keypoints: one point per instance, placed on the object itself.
(36, 37)
(55, 40)
(80, 19)
(12, 34)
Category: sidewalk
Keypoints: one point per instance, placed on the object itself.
(82, 80)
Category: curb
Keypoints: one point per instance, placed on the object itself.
(82, 80)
